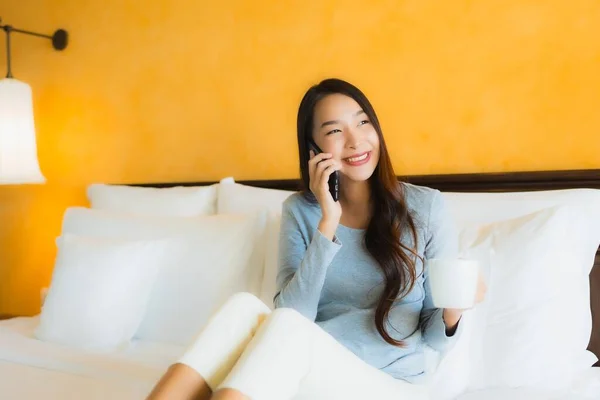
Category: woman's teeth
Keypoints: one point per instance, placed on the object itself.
(359, 158)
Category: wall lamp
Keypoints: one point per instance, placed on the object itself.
(18, 148)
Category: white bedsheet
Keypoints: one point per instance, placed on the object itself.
(22, 382)
(31, 369)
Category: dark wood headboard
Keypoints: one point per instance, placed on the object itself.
(484, 182)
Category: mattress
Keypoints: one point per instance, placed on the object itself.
(31, 369)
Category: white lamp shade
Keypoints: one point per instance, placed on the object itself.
(18, 149)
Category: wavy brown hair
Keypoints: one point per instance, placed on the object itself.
(390, 214)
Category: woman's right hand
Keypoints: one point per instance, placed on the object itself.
(320, 167)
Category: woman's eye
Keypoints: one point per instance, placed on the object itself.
(364, 122)
(333, 131)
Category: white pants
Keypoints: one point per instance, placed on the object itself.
(281, 355)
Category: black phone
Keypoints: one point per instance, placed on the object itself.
(334, 178)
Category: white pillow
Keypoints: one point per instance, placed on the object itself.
(213, 263)
(534, 328)
(482, 208)
(175, 202)
(99, 291)
(236, 198)
(269, 281)
(463, 366)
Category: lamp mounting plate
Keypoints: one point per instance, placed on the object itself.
(60, 39)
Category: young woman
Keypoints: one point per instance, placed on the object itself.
(353, 307)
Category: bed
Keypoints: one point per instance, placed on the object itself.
(31, 369)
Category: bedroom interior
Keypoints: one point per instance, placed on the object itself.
(474, 97)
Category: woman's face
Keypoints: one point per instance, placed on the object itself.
(342, 128)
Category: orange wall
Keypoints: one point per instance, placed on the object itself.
(172, 91)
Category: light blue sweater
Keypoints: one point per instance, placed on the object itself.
(337, 283)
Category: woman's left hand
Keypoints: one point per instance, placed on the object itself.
(452, 315)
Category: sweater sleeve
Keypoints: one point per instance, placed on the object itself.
(302, 266)
(442, 242)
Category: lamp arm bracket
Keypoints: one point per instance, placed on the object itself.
(59, 39)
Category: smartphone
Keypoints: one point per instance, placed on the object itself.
(334, 178)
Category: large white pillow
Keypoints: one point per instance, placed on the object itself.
(175, 202)
(462, 367)
(213, 263)
(99, 290)
(534, 328)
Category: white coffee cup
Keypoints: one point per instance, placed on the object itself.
(453, 282)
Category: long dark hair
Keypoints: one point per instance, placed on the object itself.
(390, 214)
